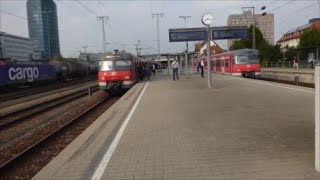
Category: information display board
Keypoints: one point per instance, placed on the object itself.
(186, 35)
(218, 34)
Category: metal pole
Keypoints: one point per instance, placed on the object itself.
(104, 36)
(48, 35)
(317, 116)
(186, 58)
(158, 29)
(89, 93)
(169, 65)
(319, 7)
(318, 60)
(181, 64)
(208, 58)
(102, 18)
(254, 31)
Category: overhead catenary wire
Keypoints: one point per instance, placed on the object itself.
(13, 14)
(303, 8)
(83, 5)
(281, 6)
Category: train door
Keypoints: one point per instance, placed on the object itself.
(227, 66)
(218, 66)
(222, 65)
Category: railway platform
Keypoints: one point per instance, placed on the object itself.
(240, 129)
(302, 75)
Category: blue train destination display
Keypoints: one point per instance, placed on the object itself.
(189, 34)
(218, 34)
(199, 34)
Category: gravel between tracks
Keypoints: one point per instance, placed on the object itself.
(14, 108)
(12, 134)
(28, 97)
(31, 136)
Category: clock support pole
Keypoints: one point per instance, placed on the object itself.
(208, 57)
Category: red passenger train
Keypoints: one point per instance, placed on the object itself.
(244, 62)
(118, 70)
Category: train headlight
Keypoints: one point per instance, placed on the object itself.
(238, 70)
(126, 77)
(102, 78)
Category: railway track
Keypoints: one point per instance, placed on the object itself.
(36, 90)
(20, 115)
(19, 165)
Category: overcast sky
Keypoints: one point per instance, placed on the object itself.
(131, 21)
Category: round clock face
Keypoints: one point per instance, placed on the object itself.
(207, 18)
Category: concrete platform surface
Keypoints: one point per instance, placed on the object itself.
(241, 129)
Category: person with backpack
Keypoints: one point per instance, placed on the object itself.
(175, 67)
(202, 67)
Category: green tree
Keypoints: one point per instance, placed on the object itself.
(310, 38)
(58, 58)
(266, 51)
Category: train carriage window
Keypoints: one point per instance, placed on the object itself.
(234, 60)
(123, 64)
(105, 65)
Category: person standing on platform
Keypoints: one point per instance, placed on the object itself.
(154, 69)
(147, 72)
(175, 68)
(295, 64)
(202, 67)
(198, 66)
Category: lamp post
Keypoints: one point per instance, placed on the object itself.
(186, 50)
(48, 29)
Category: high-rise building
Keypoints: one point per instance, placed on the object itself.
(265, 23)
(43, 26)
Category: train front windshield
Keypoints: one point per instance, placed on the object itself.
(123, 65)
(106, 65)
(115, 65)
(246, 59)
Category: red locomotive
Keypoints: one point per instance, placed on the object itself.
(118, 71)
(244, 62)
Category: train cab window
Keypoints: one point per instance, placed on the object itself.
(253, 59)
(123, 64)
(227, 64)
(105, 65)
(242, 60)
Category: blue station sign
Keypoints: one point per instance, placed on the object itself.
(190, 34)
(219, 34)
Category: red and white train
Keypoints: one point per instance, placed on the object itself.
(244, 62)
(118, 71)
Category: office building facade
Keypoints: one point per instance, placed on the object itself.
(265, 23)
(292, 37)
(16, 47)
(43, 26)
